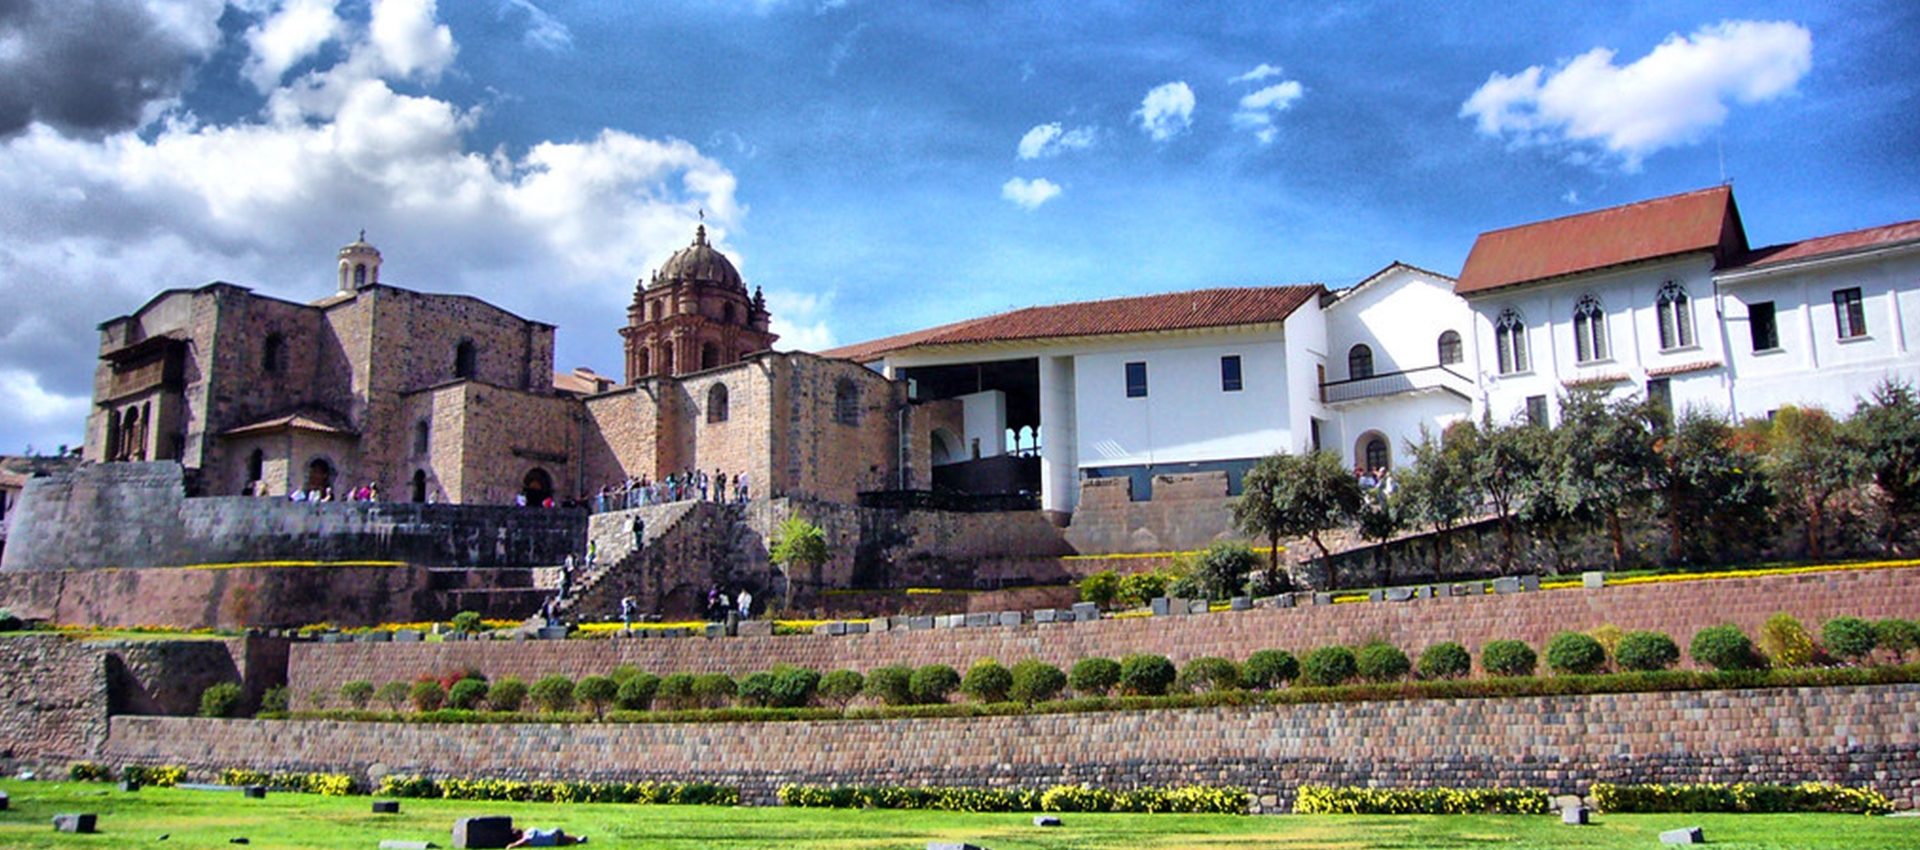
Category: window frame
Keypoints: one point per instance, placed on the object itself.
(1232, 380)
(1136, 388)
(1674, 316)
(1444, 346)
(1510, 343)
(1589, 331)
(1360, 362)
(1849, 313)
(1772, 312)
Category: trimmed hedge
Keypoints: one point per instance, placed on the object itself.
(1724, 647)
(1191, 799)
(987, 681)
(1036, 681)
(1739, 797)
(1146, 675)
(683, 793)
(1094, 676)
(1270, 668)
(1324, 800)
(1644, 651)
(1379, 661)
(1575, 653)
(1328, 666)
(1445, 660)
(1508, 658)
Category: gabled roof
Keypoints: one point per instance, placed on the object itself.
(1389, 268)
(1701, 220)
(1201, 308)
(1886, 235)
(313, 420)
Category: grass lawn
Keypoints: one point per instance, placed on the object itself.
(207, 819)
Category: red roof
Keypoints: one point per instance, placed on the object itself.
(1702, 220)
(1202, 308)
(1838, 243)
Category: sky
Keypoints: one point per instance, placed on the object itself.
(879, 167)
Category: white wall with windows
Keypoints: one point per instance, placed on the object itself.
(1173, 399)
(1822, 332)
(1617, 328)
(1409, 323)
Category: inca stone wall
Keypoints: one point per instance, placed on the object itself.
(269, 597)
(135, 515)
(1677, 609)
(1853, 735)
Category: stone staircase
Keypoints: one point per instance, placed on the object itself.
(617, 557)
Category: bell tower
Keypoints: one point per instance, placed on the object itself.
(694, 313)
(359, 265)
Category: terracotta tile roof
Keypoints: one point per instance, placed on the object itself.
(1202, 308)
(1702, 220)
(306, 420)
(1683, 368)
(1838, 243)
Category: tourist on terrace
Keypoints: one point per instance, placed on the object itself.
(746, 603)
(627, 607)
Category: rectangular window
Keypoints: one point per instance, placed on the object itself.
(1230, 373)
(1660, 397)
(1137, 380)
(1537, 410)
(1761, 322)
(1849, 313)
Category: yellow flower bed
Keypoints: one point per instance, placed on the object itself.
(608, 628)
(1774, 571)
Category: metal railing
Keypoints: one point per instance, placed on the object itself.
(1390, 383)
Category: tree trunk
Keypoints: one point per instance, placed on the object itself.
(1813, 528)
(1619, 539)
(1273, 551)
(1506, 543)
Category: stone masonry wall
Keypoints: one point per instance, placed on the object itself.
(1678, 609)
(269, 597)
(1852, 735)
(135, 515)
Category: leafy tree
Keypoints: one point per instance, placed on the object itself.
(552, 693)
(1223, 569)
(1885, 428)
(1712, 490)
(798, 543)
(427, 695)
(467, 622)
(393, 693)
(1849, 637)
(357, 693)
(1328, 666)
(466, 694)
(1724, 647)
(1646, 651)
(1604, 459)
(1270, 668)
(1810, 465)
(1211, 673)
(1445, 660)
(1379, 661)
(1897, 636)
(507, 694)
(1138, 589)
(636, 691)
(841, 686)
(1508, 658)
(1146, 675)
(1303, 495)
(1094, 676)
(891, 685)
(1575, 653)
(1436, 491)
(222, 699)
(1101, 588)
(987, 681)
(1036, 681)
(932, 683)
(1506, 461)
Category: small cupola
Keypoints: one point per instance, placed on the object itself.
(359, 265)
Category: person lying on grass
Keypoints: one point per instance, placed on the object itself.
(537, 837)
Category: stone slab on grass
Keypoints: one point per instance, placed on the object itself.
(75, 823)
(1575, 815)
(1593, 579)
(1045, 820)
(397, 844)
(952, 845)
(386, 807)
(5, 801)
(1086, 612)
(1684, 835)
(486, 831)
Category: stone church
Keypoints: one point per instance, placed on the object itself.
(445, 398)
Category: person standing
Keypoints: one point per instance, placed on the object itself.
(745, 601)
(627, 606)
(639, 532)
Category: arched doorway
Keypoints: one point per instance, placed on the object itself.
(319, 475)
(537, 486)
(256, 470)
(943, 446)
(1373, 452)
(419, 486)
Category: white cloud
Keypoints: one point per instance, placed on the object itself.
(558, 232)
(1053, 139)
(1667, 98)
(1259, 72)
(1166, 111)
(544, 31)
(800, 319)
(1029, 194)
(1572, 196)
(287, 37)
(1257, 110)
(408, 40)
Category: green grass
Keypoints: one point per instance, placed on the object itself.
(207, 820)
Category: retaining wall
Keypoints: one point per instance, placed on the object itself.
(1853, 735)
(1679, 609)
(225, 598)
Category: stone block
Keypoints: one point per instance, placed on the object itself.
(409, 636)
(1284, 600)
(756, 628)
(333, 637)
(1043, 615)
(1241, 603)
(1400, 594)
(1323, 599)
(1085, 612)
(5, 801)
(1177, 607)
(1198, 606)
(920, 623)
(1046, 820)
(1575, 815)
(552, 633)
(386, 807)
(951, 621)
(397, 844)
(714, 630)
(75, 822)
(485, 831)
(255, 792)
(1376, 595)
(1010, 618)
(856, 627)
(1593, 579)
(823, 629)
(980, 620)
(1506, 584)
(1529, 582)
(129, 785)
(376, 637)
(1684, 835)
(837, 628)
(454, 636)
(1463, 589)
(1162, 606)
(952, 845)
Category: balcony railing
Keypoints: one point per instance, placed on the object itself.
(1393, 383)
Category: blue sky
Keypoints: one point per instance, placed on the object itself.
(879, 167)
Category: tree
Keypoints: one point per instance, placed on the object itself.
(1885, 429)
(1437, 489)
(1506, 462)
(1712, 490)
(1604, 459)
(1223, 569)
(1810, 464)
(798, 543)
(1303, 495)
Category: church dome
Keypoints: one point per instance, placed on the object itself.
(700, 263)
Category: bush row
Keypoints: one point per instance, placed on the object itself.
(1324, 800)
(681, 793)
(1739, 797)
(1191, 799)
(323, 784)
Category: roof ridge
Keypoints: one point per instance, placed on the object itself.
(1727, 187)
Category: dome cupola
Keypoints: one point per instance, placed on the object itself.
(359, 265)
(699, 263)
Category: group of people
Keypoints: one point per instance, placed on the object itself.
(720, 604)
(1372, 479)
(678, 487)
(369, 492)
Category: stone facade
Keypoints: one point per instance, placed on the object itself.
(1677, 609)
(1851, 735)
(693, 315)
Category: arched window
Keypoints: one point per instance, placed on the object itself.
(537, 486)
(419, 486)
(646, 363)
(422, 434)
(653, 312)
(1676, 317)
(846, 402)
(1449, 348)
(1589, 330)
(359, 274)
(1377, 454)
(1359, 362)
(464, 357)
(273, 353)
(113, 435)
(1510, 341)
(709, 355)
(131, 436)
(319, 475)
(717, 403)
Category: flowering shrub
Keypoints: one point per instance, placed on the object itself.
(162, 776)
(1739, 797)
(86, 771)
(1195, 799)
(683, 793)
(323, 784)
(1324, 800)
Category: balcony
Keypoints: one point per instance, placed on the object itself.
(1424, 379)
